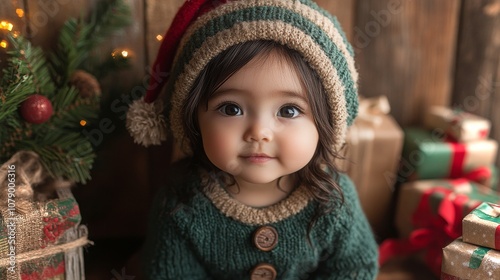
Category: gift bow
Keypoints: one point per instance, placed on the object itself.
(371, 109)
(28, 171)
(433, 232)
(490, 212)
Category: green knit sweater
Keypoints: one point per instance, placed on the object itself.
(210, 237)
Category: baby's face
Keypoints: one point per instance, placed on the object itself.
(258, 125)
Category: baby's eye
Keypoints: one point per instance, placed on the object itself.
(288, 111)
(230, 109)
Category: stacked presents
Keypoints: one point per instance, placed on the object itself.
(475, 255)
(447, 170)
(371, 158)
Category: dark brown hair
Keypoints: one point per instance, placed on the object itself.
(320, 174)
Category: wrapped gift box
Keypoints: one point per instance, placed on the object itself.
(372, 154)
(487, 175)
(459, 125)
(427, 155)
(429, 216)
(462, 260)
(482, 226)
(48, 244)
(447, 200)
(39, 239)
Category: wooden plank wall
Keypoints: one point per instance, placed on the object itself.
(477, 73)
(406, 51)
(417, 53)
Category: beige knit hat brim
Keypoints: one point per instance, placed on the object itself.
(280, 32)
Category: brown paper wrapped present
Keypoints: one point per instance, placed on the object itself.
(372, 154)
(39, 239)
(482, 226)
(429, 216)
(464, 194)
(459, 125)
(462, 260)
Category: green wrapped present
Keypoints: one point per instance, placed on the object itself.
(40, 236)
(429, 155)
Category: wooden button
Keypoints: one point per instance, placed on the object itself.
(263, 271)
(265, 238)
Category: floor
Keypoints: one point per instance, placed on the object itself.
(108, 259)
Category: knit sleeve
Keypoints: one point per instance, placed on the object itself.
(354, 253)
(166, 253)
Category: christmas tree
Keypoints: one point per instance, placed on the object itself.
(47, 99)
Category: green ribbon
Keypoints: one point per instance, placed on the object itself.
(480, 212)
(477, 257)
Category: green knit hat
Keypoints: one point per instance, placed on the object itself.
(202, 29)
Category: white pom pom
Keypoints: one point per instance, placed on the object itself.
(145, 122)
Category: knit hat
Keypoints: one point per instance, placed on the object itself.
(202, 29)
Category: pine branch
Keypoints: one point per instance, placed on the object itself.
(110, 65)
(83, 109)
(17, 83)
(65, 60)
(72, 164)
(64, 151)
(64, 97)
(36, 63)
(109, 16)
(14, 91)
(78, 38)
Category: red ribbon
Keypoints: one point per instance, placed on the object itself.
(483, 133)
(433, 232)
(457, 159)
(431, 240)
(479, 175)
(445, 276)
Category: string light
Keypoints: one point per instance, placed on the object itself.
(3, 44)
(20, 12)
(83, 122)
(121, 53)
(6, 25)
(159, 37)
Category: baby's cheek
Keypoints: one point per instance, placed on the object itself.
(221, 151)
(214, 147)
(300, 149)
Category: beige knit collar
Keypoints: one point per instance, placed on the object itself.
(230, 207)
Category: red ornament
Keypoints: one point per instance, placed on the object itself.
(36, 109)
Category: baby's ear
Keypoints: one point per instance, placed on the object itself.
(145, 122)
